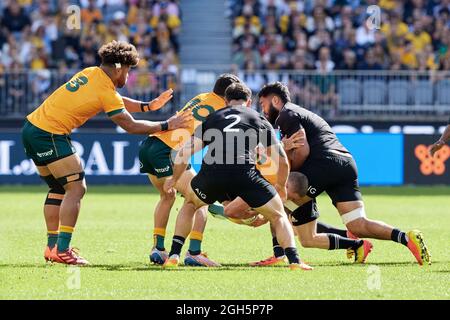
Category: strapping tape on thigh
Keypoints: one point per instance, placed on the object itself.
(353, 215)
(71, 178)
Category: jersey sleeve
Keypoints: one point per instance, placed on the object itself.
(289, 123)
(112, 103)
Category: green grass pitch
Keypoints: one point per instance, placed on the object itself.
(114, 234)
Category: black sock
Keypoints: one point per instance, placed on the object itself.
(278, 251)
(177, 244)
(399, 236)
(292, 255)
(326, 228)
(338, 242)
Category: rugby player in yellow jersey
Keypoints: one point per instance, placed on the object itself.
(155, 156)
(46, 138)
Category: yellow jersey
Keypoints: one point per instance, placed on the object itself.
(267, 168)
(201, 107)
(89, 92)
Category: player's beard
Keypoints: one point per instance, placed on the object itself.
(273, 114)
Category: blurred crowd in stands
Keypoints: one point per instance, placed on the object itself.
(42, 35)
(329, 35)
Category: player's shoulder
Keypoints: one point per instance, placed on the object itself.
(95, 79)
(207, 96)
(294, 109)
(90, 72)
(291, 111)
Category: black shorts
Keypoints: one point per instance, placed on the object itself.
(221, 185)
(305, 213)
(335, 174)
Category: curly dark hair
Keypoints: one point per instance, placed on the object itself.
(119, 52)
(278, 89)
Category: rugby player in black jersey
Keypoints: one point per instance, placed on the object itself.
(232, 135)
(329, 167)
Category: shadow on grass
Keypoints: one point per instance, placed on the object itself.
(139, 266)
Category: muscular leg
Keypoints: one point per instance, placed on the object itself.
(185, 219)
(183, 226)
(309, 238)
(162, 212)
(75, 190)
(51, 207)
(51, 212)
(366, 228)
(196, 236)
(274, 212)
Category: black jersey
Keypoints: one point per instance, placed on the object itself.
(321, 138)
(232, 135)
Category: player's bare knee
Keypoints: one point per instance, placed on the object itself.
(190, 206)
(358, 227)
(307, 242)
(356, 221)
(75, 190)
(275, 217)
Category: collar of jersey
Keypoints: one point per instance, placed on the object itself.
(106, 76)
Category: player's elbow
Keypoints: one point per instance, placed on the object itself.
(127, 123)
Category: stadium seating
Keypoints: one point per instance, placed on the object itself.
(398, 92)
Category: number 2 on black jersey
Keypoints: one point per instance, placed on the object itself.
(229, 128)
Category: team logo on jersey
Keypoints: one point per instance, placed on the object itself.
(162, 170)
(45, 154)
(200, 194)
(312, 190)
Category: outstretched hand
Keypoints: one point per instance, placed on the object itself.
(169, 186)
(160, 102)
(259, 221)
(180, 120)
